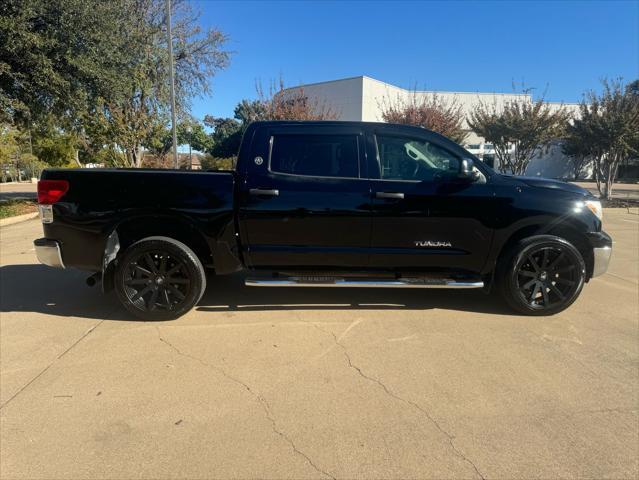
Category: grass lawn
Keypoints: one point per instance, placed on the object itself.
(11, 208)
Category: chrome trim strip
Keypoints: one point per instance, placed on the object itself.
(50, 254)
(601, 260)
(264, 192)
(338, 282)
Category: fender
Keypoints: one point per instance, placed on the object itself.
(575, 222)
(218, 243)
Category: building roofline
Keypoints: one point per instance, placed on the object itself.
(485, 94)
(325, 82)
(407, 89)
(446, 91)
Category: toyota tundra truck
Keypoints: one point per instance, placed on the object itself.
(325, 204)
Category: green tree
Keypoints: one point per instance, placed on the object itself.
(56, 55)
(53, 146)
(101, 68)
(189, 132)
(226, 136)
(144, 102)
(607, 131)
(194, 134)
(227, 132)
(248, 111)
(518, 130)
(16, 154)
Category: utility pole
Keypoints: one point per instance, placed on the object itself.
(173, 122)
(190, 130)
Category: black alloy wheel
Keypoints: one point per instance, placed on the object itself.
(156, 280)
(544, 276)
(159, 279)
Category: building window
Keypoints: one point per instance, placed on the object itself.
(489, 160)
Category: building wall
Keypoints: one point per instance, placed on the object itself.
(343, 97)
(364, 98)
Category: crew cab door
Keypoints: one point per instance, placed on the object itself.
(424, 216)
(305, 199)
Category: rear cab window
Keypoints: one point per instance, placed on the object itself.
(315, 155)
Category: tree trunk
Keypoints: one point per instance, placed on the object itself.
(76, 157)
(130, 157)
(139, 155)
(597, 172)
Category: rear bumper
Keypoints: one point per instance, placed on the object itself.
(602, 252)
(48, 252)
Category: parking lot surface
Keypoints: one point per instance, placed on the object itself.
(316, 383)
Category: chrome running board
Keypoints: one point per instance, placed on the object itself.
(363, 282)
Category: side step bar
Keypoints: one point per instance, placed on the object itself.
(363, 282)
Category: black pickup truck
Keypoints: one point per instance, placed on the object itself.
(325, 204)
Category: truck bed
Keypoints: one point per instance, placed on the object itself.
(99, 200)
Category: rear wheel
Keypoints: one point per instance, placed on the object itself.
(541, 275)
(159, 278)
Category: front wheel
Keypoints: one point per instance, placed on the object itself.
(159, 278)
(541, 275)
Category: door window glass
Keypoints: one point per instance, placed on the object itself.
(315, 155)
(403, 158)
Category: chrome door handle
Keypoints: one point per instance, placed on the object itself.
(264, 192)
(389, 195)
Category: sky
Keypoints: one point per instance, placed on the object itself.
(563, 48)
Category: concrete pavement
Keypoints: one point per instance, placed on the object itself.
(316, 383)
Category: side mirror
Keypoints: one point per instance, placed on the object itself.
(466, 171)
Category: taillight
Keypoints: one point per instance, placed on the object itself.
(50, 191)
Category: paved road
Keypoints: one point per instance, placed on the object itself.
(18, 191)
(296, 383)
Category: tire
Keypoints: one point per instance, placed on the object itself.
(159, 278)
(541, 275)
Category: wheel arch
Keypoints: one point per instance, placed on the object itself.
(133, 229)
(564, 230)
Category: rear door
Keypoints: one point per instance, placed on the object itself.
(423, 216)
(305, 201)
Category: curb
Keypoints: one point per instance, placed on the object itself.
(17, 219)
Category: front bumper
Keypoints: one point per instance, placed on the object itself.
(602, 251)
(48, 252)
(601, 260)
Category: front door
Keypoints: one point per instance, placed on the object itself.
(307, 204)
(424, 217)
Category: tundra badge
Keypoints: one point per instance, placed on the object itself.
(430, 243)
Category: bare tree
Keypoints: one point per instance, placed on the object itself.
(428, 111)
(518, 130)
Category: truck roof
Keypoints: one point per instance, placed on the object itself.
(336, 123)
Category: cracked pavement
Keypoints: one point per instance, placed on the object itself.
(316, 383)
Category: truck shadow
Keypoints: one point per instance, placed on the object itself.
(40, 289)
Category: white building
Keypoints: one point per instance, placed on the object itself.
(363, 99)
